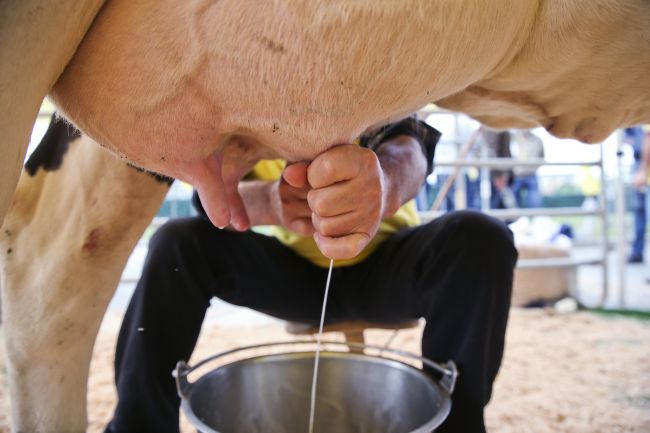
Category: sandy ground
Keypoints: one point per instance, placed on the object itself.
(580, 373)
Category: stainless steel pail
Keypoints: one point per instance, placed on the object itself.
(357, 393)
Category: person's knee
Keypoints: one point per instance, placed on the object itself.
(175, 237)
(470, 241)
(171, 233)
(479, 256)
(470, 230)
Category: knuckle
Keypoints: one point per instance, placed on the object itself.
(327, 228)
(317, 205)
(324, 227)
(328, 168)
(316, 222)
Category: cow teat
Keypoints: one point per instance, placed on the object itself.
(216, 178)
(205, 175)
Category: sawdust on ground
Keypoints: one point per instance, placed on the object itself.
(578, 373)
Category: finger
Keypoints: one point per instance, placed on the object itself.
(341, 225)
(332, 200)
(288, 192)
(341, 248)
(205, 175)
(296, 174)
(338, 164)
(344, 197)
(302, 226)
(297, 209)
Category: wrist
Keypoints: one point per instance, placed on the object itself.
(275, 203)
(391, 199)
(258, 201)
(404, 169)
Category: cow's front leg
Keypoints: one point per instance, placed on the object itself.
(65, 242)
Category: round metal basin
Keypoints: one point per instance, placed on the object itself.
(356, 393)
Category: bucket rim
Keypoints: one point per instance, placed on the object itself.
(445, 385)
(448, 370)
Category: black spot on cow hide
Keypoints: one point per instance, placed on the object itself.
(53, 147)
(157, 176)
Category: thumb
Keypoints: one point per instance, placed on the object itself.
(296, 174)
(341, 248)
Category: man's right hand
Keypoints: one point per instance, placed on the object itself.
(289, 200)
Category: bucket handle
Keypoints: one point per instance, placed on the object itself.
(180, 373)
(448, 370)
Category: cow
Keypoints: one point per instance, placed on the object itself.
(200, 90)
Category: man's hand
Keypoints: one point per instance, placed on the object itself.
(289, 200)
(341, 196)
(348, 199)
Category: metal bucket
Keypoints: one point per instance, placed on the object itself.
(357, 393)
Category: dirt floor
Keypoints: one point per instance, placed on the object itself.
(580, 373)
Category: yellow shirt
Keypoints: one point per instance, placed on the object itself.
(306, 247)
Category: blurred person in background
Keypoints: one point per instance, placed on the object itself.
(634, 137)
(497, 144)
(473, 187)
(447, 151)
(640, 142)
(526, 146)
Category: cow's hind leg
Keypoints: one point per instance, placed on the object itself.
(65, 242)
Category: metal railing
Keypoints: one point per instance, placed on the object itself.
(486, 163)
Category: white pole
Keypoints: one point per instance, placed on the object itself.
(605, 228)
(460, 197)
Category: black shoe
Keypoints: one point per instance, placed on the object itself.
(635, 258)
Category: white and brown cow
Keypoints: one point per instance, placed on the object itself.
(201, 89)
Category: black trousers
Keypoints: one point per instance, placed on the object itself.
(456, 272)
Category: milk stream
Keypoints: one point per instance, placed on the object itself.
(312, 407)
